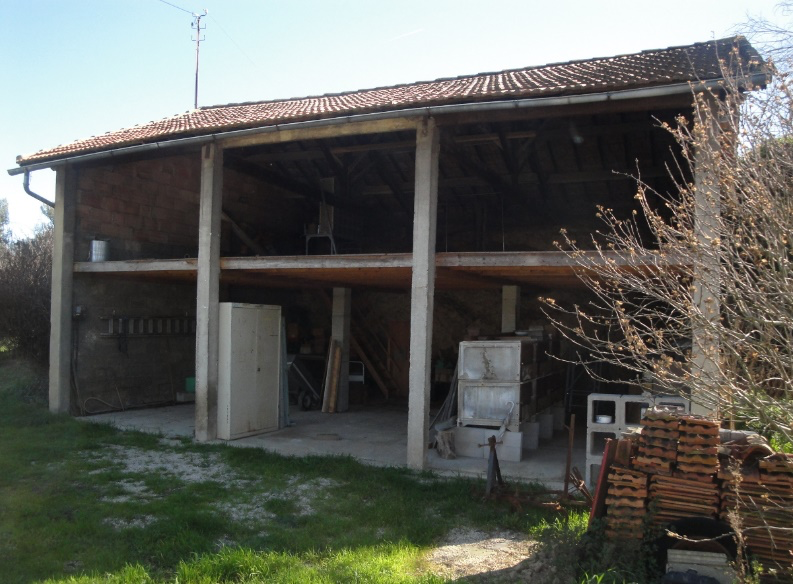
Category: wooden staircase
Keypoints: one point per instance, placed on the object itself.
(370, 340)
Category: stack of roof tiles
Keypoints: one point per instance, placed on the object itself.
(677, 498)
(692, 491)
(678, 468)
(658, 443)
(698, 448)
(627, 503)
(762, 495)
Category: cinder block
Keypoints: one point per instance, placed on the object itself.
(467, 440)
(603, 404)
(511, 449)
(673, 400)
(592, 471)
(633, 407)
(531, 435)
(595, 440)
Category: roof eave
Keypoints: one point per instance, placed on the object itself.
(750, 81)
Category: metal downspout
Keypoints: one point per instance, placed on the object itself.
(26, 186)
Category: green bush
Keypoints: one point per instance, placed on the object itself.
(25, 274)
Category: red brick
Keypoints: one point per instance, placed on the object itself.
(134, 221)
(130, 208)
(116, 231)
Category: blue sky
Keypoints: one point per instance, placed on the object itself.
(77, 68)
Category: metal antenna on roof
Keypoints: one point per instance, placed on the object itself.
(196, 25)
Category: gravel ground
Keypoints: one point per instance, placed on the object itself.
(465, 554)
(504, 556)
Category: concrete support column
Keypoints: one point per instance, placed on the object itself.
(425, 210)
(207, 290)
(340, 330)
(705, 339)
(61, 299)
(510, 308)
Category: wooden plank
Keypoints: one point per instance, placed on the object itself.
(601, 488)
(335, 378)
(328, 376)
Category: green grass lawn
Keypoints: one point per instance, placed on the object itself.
(86, 503)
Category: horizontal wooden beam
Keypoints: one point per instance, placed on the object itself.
(459, 260)
(294, 133)
(524, 178)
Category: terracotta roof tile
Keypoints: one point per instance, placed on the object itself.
(646, 69)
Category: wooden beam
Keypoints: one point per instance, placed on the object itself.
(388, 178)
(278, 180)
(239, 232)
(500, 182)
(340, 127)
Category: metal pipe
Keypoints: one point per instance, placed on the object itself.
(26, 186)
(479, 107)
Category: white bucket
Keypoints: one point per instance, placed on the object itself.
(98, 251)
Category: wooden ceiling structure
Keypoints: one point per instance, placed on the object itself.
(523, 154)
(503, 176)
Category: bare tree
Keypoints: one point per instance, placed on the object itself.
(705, 305)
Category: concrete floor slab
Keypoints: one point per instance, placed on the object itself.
(373, 435)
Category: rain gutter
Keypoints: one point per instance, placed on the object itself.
(439, 110)
(26, 186)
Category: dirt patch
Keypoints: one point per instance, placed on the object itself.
(133, 490)
(503, 556)
(135, 523)
(190, 467)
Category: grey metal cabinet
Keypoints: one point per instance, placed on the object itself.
(495, 381)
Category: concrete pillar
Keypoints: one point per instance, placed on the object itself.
(425, 210)
(340, 330)
(705, 340)
(207, 290)
(61, 297)
(510, 307)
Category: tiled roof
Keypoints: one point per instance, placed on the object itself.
(697, 62)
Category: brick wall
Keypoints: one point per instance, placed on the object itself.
(145, 208)
(138, 370)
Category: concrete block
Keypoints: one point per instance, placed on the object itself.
(673, 400)
(604, 404)
(558, 412)
(531, 435)
(511, 449)
(633, 407)
(595, 440)
(592, 471)
(467, 440)
(546, 425)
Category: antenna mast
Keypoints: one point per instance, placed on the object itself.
(196, 25)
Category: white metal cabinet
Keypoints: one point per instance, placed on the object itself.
(249, 369)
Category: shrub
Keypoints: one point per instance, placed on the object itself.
(25, 274)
